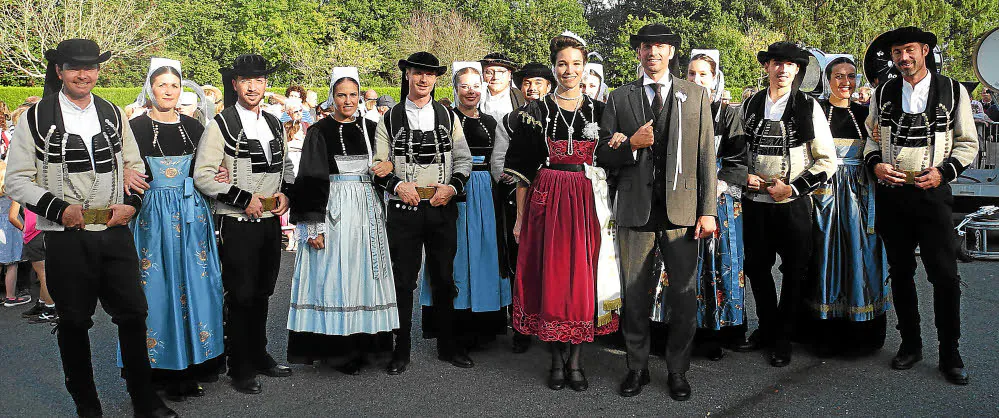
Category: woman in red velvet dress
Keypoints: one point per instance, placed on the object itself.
(551, 146)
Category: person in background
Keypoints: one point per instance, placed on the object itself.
(34, 252)
(310, 102)
(188, 104)
(990, 104)
(215, 95)
(500, 97)
(864, 95)
(296, 92)
(11, 243)
(369, 106)
(384, 103)
(294, 131)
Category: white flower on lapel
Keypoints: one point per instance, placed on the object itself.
(591, 131)
(680, 96)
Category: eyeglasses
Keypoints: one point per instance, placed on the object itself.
(496, 71)
(844, 77)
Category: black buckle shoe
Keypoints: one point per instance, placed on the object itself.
(679, 388)
(633, 383)
(397, 366)
(278, 370)
(248, 386)
(905, 359)
(781, 354)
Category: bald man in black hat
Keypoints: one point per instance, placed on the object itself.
(923, 137)
(657, 138)
(431, 162)
(249, 143)
(66, 163)
(791, 153)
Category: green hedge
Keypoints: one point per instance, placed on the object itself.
(122, 96)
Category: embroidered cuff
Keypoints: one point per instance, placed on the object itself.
(134, 200)
(314, 229)
(806, 183)
(518, 176)
(389, 182)
(950, 168)
(236, 197)
(458, 181)
(872, 160)
(50, 207)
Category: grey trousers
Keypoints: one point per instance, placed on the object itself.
(679, 252)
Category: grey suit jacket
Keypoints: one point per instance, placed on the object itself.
(694, 194)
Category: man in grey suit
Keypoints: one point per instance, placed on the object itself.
(657, 137)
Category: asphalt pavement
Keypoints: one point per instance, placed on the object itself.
(507, 384)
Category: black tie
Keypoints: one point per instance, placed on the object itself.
(657, 100)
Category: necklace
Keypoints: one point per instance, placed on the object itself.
(343, 141)
(571, 99)
(569, 124)
(183, 135)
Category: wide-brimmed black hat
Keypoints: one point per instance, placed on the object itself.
(654, 32)
(77, 51)
(423, 61)
(533, 70)
(786, 51)
(500, 59)
(248, 65)
(878, 64)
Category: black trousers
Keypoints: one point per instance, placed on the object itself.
(770, 229)
(86, 267)
(411, 234)
(638, 258)
(251, 258)
(908, 216)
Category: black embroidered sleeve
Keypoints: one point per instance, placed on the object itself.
(808, 182)
(236, 197)
(872, 159)
(388, 182)
(458, 180)
(50, 207)
(134, 200)
(950, 168)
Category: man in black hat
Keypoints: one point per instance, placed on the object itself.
(922, 137)
(431, 160)
(66, 163)
(791, 153)
(657, 137)
(250, 144)
(535, 80)
(500, 97)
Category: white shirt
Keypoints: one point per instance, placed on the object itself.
(421, 118)
(80, 121)
(256, 127)
(664, 84)
(496, 106)
(774, 110)
(914, 97)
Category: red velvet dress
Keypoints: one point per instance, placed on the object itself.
(554, 294)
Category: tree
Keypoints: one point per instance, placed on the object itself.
(435, 33)
(30, 27)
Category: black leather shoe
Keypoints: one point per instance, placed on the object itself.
(279, 370)
(679, 388)
(461, 360)
(352, 367)
(955, 375)
(161, 412)
(714, 352)
(905, 359)
(397, 366)
(781, 354)
(742, 345)
(89, 412)
(249, 386)
(633, 382)
(577, 380)
(521, 343)
(194, 391)
(556, 379)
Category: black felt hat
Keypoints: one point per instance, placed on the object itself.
(878, 64)
(248, 65)
(533, 70)
(787, 51)
(500, 59)
(423, 61)
(77, 51)
(70, 51)
(654, 32)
